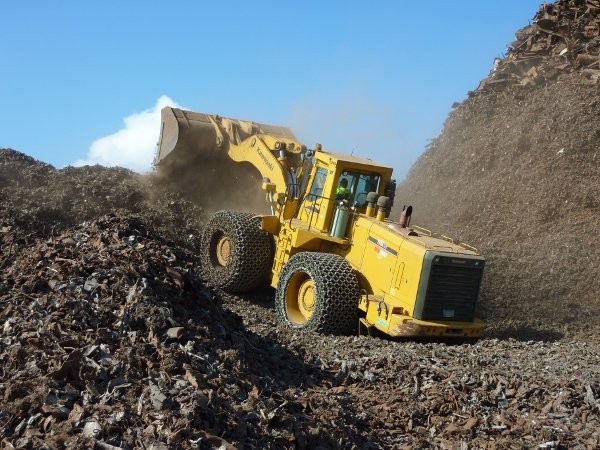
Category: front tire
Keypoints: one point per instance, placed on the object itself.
(236, 255)
(318, 292)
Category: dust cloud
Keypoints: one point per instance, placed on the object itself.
(214, 183)
(357, 125)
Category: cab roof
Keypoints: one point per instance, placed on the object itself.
(331, 157)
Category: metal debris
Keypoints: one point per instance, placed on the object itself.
(564, 37)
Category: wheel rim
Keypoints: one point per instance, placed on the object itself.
(300, 298)
(224, 250)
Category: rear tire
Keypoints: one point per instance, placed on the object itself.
(236, 255)
(318, 292)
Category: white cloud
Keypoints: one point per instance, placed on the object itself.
(133, 146)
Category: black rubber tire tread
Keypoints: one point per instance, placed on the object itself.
(252, 255)
(336, 293)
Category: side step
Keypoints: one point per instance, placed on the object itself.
(364, 327)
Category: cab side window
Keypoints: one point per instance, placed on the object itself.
(316, 189)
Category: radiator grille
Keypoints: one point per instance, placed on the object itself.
(453, 289)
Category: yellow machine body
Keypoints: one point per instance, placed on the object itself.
(412, 282)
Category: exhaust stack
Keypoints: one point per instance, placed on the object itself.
(402, 225)
(404, 221)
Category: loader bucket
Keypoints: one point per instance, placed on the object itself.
(184, 133)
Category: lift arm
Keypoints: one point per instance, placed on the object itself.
(272, 150)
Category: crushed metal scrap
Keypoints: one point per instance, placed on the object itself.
(564, 37)
(108, 339)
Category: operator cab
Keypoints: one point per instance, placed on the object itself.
(336, 178)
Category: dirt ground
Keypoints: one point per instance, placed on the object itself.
(110, 339)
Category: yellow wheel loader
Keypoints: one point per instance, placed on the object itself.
(337, 262)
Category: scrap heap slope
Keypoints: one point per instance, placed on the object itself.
(109, 338)
(515, 170)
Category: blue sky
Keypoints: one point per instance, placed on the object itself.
(82, 82)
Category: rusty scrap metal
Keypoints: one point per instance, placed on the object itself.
(563, 36)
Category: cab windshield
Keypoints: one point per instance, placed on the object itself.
(356, 187)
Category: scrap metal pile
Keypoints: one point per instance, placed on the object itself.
(515, 171)
(110, 340)
(564, 37)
